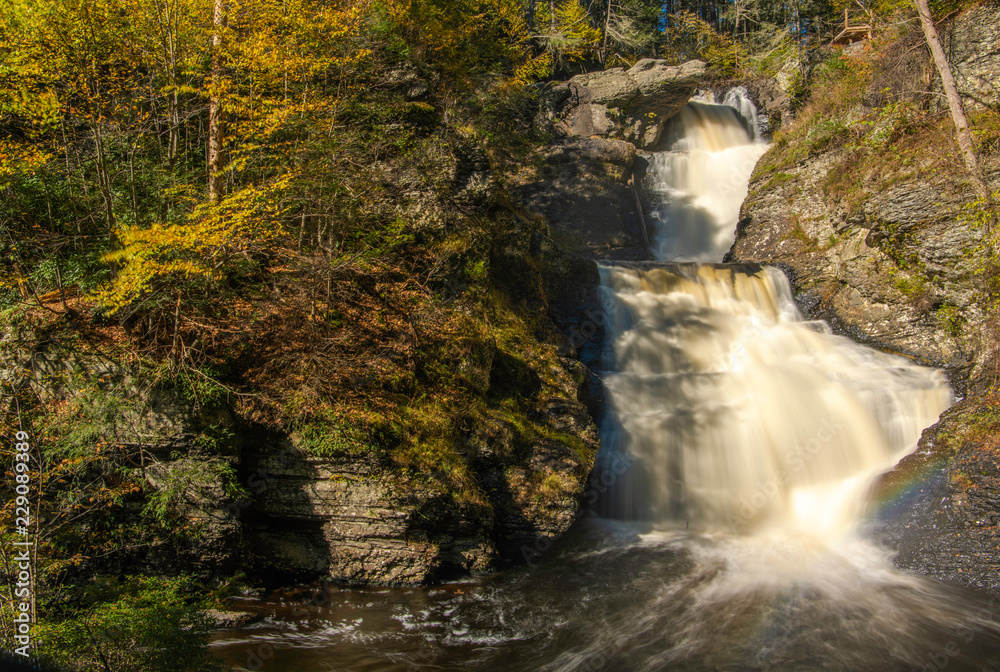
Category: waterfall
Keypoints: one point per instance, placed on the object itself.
(738, 99)
(754, 429)
(736, 413)
(700, 182)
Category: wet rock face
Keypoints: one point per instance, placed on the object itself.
(891, 273)
(632, 105)
(941, 504)
(774, 106)
(585, 192)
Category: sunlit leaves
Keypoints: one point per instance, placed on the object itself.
(201, 250)
(466, 37)
(567, 33)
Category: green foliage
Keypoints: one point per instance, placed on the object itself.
(567, 34)
(768, 51)
(200, 385)
(339, 436)
(215, 439)
(982, 216)
(950, 319)
(809, 243)
(102, 414)
(139, 625)
(910, 286)
(689, 37)
(183, 483)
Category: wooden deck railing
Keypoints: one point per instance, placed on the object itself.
(854, 31)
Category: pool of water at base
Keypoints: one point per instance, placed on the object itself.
(624, 597)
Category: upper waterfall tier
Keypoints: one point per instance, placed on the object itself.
(700, 182)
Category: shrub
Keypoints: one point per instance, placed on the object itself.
(140, 625)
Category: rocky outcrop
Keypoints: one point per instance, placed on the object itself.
(240, 497)
(632, 105)
(941, 504)
(153, 432)
(971, 43)
(893, 273)
(885, 255)
(584, 190)
(356, 519)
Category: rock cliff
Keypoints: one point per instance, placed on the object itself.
(632, 105)
(241, 497)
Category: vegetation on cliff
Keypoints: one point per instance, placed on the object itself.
(338, 285)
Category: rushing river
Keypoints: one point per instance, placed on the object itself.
(733, 539)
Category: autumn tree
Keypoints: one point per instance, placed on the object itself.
(567, 32)
(216, 127)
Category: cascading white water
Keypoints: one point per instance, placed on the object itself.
(700, 182)
(738, 99)
(738, 413)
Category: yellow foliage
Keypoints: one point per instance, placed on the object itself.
(567, 33)
(691, 37)
(465, 37)
(20, 158)
(243, 224)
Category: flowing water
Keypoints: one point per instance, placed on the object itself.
(701, 181)
(729, 540)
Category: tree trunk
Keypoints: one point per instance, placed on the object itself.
(215, 120)
(104, 178)
(951, 93)
(607, 23)
(531, 15)
(798, 36)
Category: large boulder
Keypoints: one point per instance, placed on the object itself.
(632, 104)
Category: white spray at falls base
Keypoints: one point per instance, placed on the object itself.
(736, 413)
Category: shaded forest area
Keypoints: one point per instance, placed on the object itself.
(298, 211)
